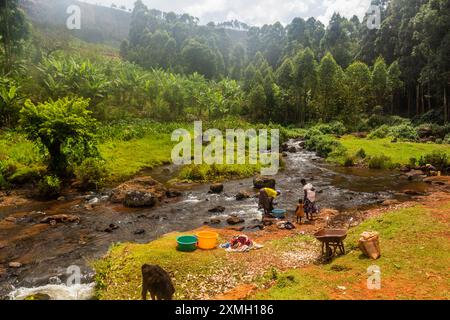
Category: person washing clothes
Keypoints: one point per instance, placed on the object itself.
(266, 197)
(309, 199)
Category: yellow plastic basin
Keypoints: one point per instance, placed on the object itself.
(207, 240)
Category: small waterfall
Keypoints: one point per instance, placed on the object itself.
(56, 292)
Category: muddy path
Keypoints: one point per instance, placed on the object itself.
(45, 251)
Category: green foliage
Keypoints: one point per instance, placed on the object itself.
(380, 162)
(25, 175)
(49, 187)
(64, 128)
(379, 133)
(361, 154)
(438, 159)
(91, 174)
(404, 132)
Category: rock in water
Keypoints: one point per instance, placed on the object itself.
(215, 221)
(216, 188)
(218, 209)
(242, 195)
(173, 194)
(233, 220)
(141, 184)
(61, 218)
(264, 182)
(137, 199)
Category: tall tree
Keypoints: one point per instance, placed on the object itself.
(14, 29)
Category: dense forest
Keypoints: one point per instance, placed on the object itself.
(301, 73)
(57, 84)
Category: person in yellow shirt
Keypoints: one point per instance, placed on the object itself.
(266, 197)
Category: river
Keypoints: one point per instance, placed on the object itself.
(46, 251)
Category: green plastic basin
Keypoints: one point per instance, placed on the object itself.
(187, 243)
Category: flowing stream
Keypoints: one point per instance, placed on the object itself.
(47, 251)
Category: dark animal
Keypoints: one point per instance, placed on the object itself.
(156, 281)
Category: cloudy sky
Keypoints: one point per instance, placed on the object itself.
(253, 12)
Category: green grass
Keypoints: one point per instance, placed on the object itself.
(126, 158)
(414, 247)
(118, 275)
(399, 152)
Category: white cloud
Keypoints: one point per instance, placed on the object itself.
(253, 12)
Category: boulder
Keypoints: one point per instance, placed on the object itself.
(216, 188)
(141, 184)
(284, 147)
(61, 218)
(413, 193)
(111, 228)
(215, 221)
(233, 220)
(292, 149)
(415, 175)
(264, 182)
(139, 231)
(173, 194)
(241, 195)
(361, 135)
(218, 209)
(138, 199)
(302, 144)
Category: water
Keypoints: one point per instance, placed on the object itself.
(46, 251)
(56, 292)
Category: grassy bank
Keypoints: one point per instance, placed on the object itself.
(414, 262)
(127, 148)
(399, 152)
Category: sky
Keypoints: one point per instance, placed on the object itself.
(253, 12)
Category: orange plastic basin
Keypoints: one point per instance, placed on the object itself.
(207, 240)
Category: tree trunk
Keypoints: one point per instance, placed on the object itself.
(446, 117)
(417, 100)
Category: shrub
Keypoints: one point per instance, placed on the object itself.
(49, 187)
(437, 159)
(25, 175)
(349, 162)
(404, 132)
(91, 174)
(361, 154)
(4, 184)
(380, 162)
(446, 139)
(412, 162)
(379, 133)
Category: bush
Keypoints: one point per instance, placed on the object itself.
(380, 162)
(379, 133)
(4, 184)
(91, 174)
(437, 159)
(335, 127)
(412, 162)
(25, 175)
(361, 154)
(446, 139)
(349, 162)
(49, 187)
(404, 132)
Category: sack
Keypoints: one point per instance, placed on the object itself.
(369, 244)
